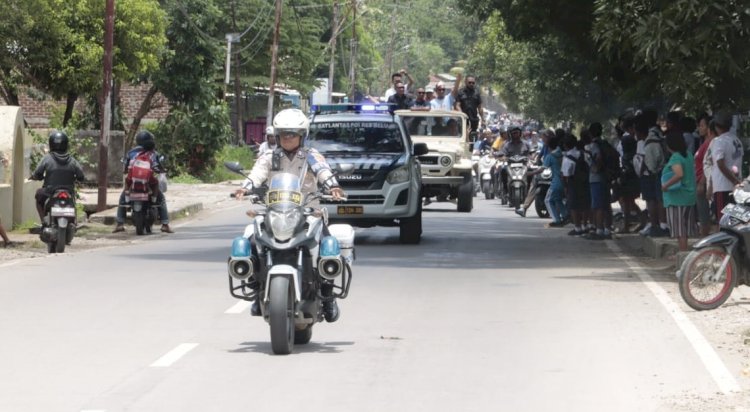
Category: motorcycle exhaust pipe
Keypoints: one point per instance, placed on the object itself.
(330, 268)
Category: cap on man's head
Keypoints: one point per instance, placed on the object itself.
(429, 89)
(269, 130)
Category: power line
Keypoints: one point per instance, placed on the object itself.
(195, 26)
(252, 42)
(257, 16)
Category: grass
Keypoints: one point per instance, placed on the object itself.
(229, 153)
(25, 226)
(185, 178)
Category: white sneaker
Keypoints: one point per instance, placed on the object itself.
(645, 230)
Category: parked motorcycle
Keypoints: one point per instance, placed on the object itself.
(719, 262)
(59, 223)
(517, 180)
(285, 258)
(543, 183)
(486, 177)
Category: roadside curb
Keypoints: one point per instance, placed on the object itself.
(107, 217)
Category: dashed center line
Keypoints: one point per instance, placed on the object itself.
(174, 355)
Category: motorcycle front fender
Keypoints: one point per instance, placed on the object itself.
(286, 271)
(137, 206)
(722, 239)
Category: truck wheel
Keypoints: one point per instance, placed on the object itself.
(466, 196)
(410, 228)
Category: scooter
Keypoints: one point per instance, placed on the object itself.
(59, 223)
(487, 181)
(517, 180)
(719, 262)
(543, 183)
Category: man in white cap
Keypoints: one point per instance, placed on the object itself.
(270, 144)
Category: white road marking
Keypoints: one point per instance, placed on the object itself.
(239, 307)
(711, 360)
(93, 410)
(11, 263)
(174, 355)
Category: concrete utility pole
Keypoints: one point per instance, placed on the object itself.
(238, 100)
(353, 71)
(274, 58)
(332, 63)
(109, 29)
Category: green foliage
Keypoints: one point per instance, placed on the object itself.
(229, 153)
(185, 178)
(57, 44)
(191, 136)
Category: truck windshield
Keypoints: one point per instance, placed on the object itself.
(437, 126)
(355, 136)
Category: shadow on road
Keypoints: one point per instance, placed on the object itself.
(312, 347)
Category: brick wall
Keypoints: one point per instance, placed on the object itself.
(38, 108)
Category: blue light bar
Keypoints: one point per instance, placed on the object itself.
(353, 108)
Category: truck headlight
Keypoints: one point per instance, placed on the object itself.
(446, 161)
(399, 175)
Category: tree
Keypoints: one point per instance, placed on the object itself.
(55, 45)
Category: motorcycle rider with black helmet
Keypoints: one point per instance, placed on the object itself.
(58, 169)
(144, 141)
(291, 127)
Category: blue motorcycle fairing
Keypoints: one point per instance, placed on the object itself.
(722, 238)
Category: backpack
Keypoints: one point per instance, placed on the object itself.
(610, 160)
(639, 161)
(581, 172)
(140, 172)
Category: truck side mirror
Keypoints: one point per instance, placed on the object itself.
(420, 149)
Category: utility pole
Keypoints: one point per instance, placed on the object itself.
(391, 43)
(109, 29)
(274, 58)
(238, 112)
(353, 71)
(332, 63)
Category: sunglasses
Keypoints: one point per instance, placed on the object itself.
(440, 89)
(400, 88)
(420, 92)
(469, 82)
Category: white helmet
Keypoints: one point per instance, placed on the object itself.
(291, 121)
(269, 130)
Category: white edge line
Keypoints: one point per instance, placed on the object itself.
(238, 307)
(174, 355)
(711, 360)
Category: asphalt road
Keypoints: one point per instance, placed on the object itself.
(489, 312)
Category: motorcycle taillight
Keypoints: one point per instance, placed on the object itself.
(63, 195)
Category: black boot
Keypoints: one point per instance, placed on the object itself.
(330, 308)
(331, 311)
(255, 308)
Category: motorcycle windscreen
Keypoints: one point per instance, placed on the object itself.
(284, 192)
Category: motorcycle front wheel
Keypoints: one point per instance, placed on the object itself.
(281, 316)
(139, 221)
(540, 206)
(701, 286)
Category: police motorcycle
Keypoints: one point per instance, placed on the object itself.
(142, 203)
(59, 223)
(720, 262)
(285, 258)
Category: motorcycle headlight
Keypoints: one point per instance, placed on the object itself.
(516, 172)
(399, 175)
(284, 223)
(547, 173)
(486, 160)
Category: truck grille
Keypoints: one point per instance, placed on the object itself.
(358, 200)
(428, 160)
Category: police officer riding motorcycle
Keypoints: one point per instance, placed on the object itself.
(290, 157)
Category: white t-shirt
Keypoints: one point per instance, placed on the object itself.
(264, 147)
(727, 147)
(569, 166)
(390, 92)
(446, 103)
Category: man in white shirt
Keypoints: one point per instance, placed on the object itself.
(398, 78)
(726, 153)
(270, 144)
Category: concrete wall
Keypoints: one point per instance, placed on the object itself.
(16, 194)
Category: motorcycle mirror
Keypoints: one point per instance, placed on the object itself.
(162, 159)
(234, 167)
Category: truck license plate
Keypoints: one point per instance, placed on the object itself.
(350, 210)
